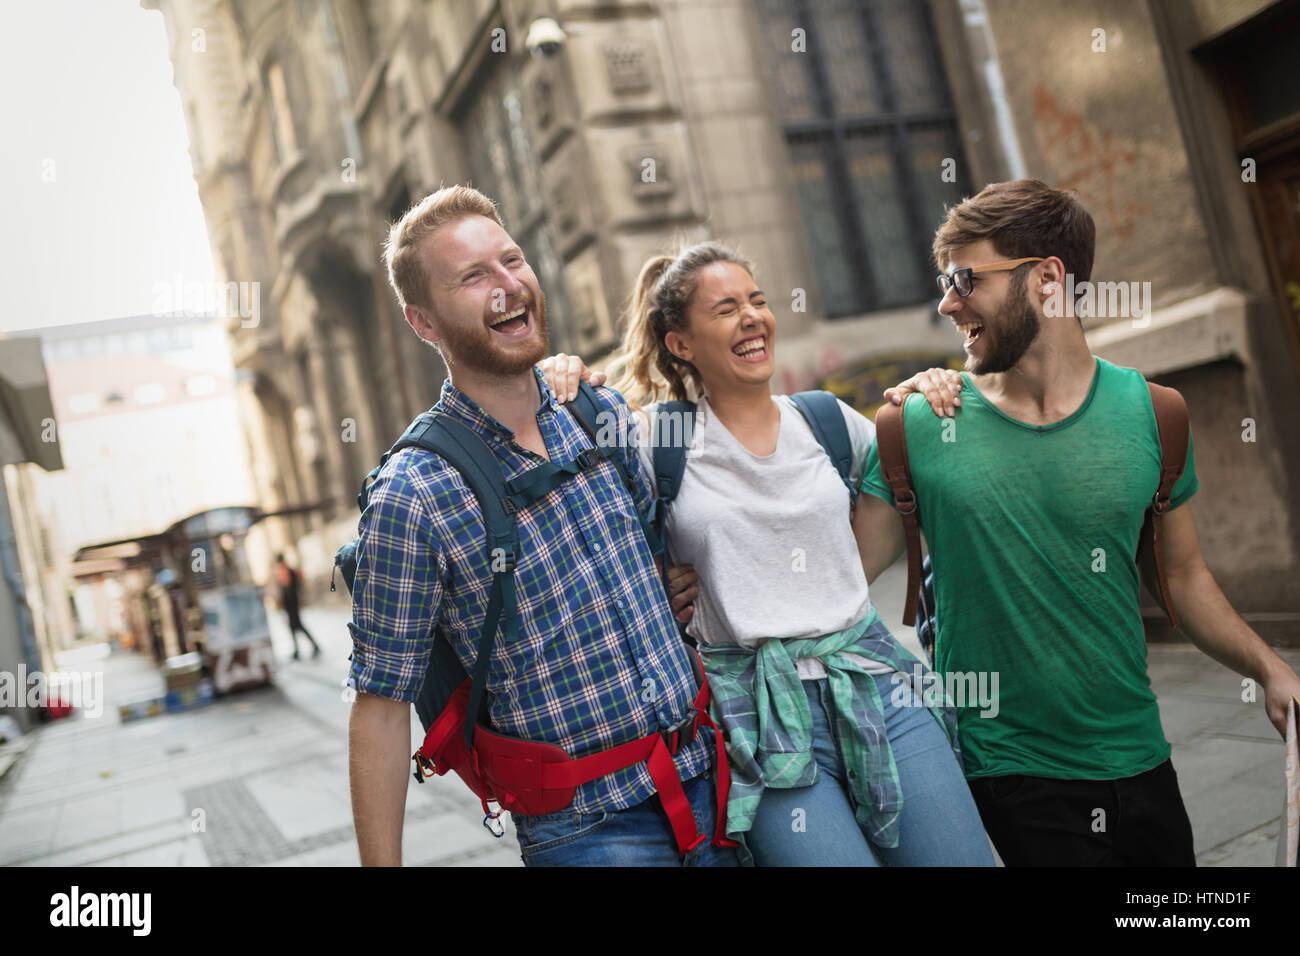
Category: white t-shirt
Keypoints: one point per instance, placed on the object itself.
(769, 535)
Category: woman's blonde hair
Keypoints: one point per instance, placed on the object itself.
(643, 369)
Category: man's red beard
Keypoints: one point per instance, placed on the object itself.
(480, 349)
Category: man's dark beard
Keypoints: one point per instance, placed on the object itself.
(478, 349)
(1011, 332)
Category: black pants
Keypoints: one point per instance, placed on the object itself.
(1133, 821)
(295, 625)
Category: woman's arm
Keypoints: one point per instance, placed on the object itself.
(879, 532)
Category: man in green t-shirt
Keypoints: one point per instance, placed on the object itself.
(1032, 498)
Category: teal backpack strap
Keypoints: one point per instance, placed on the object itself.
(466, 452)
(345, 559)
(822, 410)
(588, 409)
(408, 438)
(669, 458)
(534, 484)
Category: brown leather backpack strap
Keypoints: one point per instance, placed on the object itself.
(1173, 427)
(891, 450)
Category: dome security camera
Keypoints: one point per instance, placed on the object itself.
(545, 37)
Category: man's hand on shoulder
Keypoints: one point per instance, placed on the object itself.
(940, 386)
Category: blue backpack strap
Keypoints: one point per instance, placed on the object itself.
(345, 559)
(467, 453)
(669, 458)
(822, 410)
(407, 439)
(587, 408)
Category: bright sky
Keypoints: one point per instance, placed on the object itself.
(88, 102)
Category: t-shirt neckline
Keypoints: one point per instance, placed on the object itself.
(1065, 422)
(740, 444)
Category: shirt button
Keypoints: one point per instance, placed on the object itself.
(619, 604)
(596, 547)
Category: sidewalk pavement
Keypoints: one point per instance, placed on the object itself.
(260, 778)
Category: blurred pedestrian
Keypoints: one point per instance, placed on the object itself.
(287, 578)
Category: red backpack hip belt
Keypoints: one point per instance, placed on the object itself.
(532, 778)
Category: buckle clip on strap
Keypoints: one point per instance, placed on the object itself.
(682, 733)
(423, 767)
(492, 822)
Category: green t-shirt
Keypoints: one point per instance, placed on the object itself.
(1033, 532)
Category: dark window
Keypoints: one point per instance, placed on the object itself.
(869, 124)
(1270, 91)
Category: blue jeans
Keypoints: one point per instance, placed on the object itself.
(815, 826)
(637, 836)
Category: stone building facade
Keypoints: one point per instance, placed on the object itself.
(822, 137)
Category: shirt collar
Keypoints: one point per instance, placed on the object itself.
(456, 403)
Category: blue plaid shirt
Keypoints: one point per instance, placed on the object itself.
(598, 662)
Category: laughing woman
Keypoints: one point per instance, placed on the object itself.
(834, 759)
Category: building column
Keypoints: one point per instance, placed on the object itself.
(359, 404)
(325, 400)
(303, 429)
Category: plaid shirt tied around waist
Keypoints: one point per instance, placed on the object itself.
(759, 700)
(598, 661)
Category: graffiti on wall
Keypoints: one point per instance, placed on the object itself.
(799, 379)
(1095, 162)
(861, 383)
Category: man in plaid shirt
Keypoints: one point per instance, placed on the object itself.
(599, 661)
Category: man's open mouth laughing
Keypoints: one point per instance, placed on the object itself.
(972, 331)
(514, 324)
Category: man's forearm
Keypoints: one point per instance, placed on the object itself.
(1217, 629)
(379, 738)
